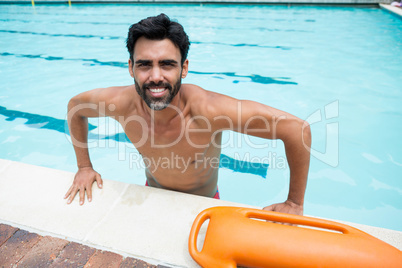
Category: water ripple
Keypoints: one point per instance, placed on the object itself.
(64, 35)
(92, 62)
(123, 38)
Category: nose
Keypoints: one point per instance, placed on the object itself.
(156, 75)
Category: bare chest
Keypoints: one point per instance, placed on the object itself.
(182, 141)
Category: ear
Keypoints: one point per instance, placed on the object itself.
(184, 70)
(130, 68)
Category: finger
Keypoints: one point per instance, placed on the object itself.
(68, 192)
(89, 193)
(72, 195)
(269, 208)
(82, 196)
(99, 181)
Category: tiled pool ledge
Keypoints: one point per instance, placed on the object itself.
(20, 248)
(131, 220)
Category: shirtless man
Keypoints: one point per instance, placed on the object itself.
(162, 117)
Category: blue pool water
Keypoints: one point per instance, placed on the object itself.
(339, 68)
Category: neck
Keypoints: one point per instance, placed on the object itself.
(163, 117)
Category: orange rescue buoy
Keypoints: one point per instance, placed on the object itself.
(242, 236)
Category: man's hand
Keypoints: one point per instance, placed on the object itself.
(83, 181)
(286, 207)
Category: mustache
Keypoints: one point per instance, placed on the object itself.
(160, 84)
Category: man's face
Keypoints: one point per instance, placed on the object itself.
(157, 71)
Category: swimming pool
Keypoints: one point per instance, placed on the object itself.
(337, 67)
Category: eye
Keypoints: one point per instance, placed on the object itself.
(168, 64)
(143, 65)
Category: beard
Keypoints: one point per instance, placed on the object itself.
(160, 103)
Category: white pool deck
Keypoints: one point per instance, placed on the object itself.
(131, 220)
(395, 10)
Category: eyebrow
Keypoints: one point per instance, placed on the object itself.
(143, 62)
(169, 61)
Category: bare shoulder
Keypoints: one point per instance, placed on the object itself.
(116, 100)
(203, 102)
(124, 98)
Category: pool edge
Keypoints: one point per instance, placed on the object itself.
(31, 198)
(394, 10)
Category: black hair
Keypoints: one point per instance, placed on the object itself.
(159, 28)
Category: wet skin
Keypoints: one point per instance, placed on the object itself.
(178, 128)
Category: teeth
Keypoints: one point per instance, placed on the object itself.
(156, 90)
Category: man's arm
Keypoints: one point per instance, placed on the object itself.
(297, 147)
(88, 104)
(262, 121)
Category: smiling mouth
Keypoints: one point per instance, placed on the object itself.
(157, 92)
